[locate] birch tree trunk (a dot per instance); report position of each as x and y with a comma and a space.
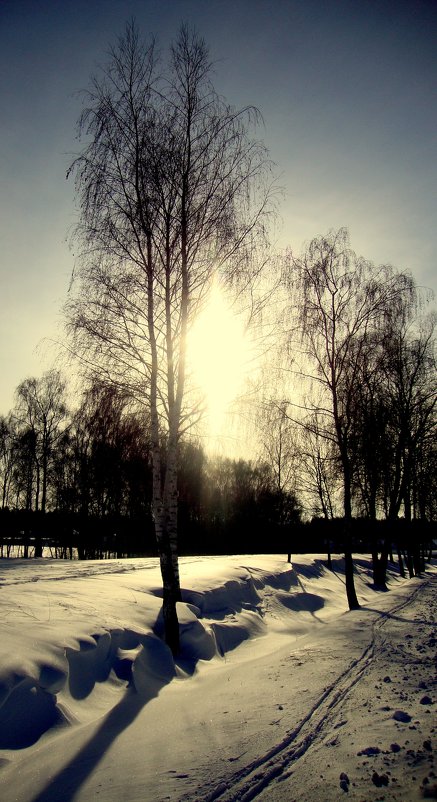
171, 189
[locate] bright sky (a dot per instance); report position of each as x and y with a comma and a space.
347, 90
221, 355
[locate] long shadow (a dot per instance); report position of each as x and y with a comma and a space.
67, 782
315, 570
393, 617
69, 779
304, 601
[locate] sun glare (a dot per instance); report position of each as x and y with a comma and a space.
219, 356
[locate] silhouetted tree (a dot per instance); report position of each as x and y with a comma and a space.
168, 189
278, 443
8, 450
409, 369
40, 411
343, 298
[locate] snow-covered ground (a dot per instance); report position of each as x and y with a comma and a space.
279, 694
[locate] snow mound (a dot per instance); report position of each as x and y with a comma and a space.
59, 667
84, 665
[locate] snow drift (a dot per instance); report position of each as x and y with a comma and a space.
86, 678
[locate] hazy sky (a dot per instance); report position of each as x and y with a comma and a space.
348, 94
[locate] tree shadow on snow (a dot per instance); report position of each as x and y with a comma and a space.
393, 617
302, 602
313, 571
153, 669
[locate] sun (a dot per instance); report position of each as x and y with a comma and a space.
219, 357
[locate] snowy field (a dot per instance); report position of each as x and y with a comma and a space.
279, 694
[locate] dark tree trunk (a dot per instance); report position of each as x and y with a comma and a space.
401, 563
350, 584
348, 562
417, 562
38, 544
380, 571
328, 547
380, 566
171, 595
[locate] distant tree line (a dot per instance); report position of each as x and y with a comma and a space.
81, 483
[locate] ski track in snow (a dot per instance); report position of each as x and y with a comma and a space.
250, 781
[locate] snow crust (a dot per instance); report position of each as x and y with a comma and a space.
279, 692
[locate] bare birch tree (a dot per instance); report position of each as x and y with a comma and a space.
172, 189
41, 408
343, 299
8, 447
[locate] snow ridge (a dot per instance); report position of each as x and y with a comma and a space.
86, 679
39, 688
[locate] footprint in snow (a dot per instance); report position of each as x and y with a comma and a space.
369, 751
379, 779
344, 781
401, 715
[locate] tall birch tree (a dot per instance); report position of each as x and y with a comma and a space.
171, 187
